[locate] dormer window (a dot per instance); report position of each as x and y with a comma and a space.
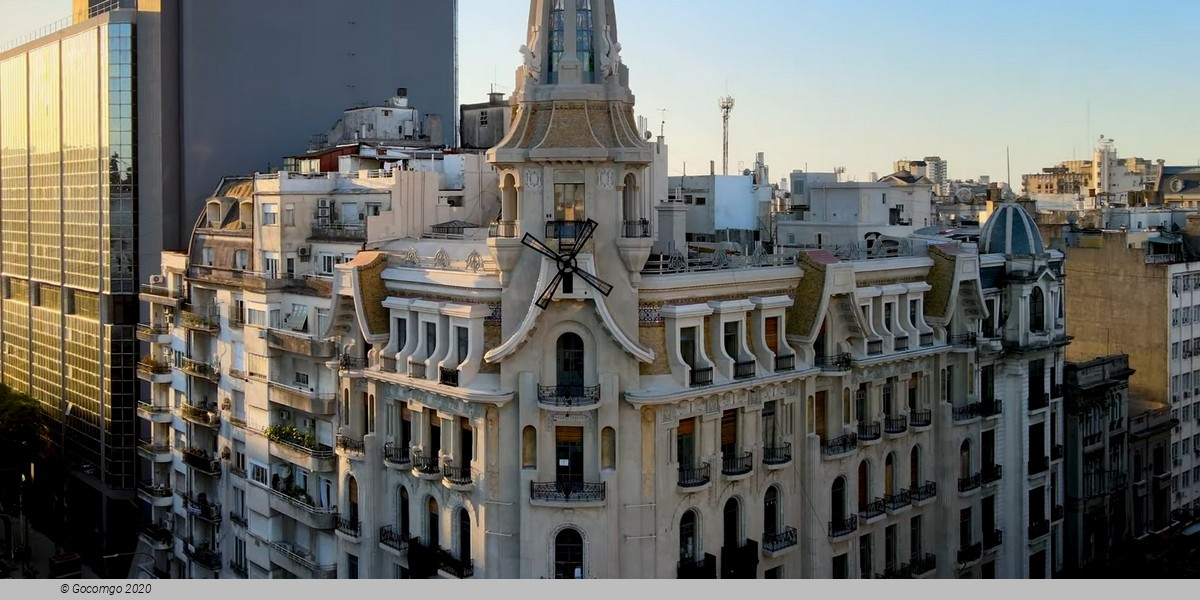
1037, 311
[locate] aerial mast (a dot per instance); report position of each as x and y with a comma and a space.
726, 106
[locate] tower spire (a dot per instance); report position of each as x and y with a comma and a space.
571, 42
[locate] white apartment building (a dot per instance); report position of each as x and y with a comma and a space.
552, 398
823, 212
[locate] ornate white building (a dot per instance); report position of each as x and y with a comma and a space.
552, 399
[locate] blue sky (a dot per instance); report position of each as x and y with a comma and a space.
859, 84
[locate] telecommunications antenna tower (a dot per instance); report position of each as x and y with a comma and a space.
726, 106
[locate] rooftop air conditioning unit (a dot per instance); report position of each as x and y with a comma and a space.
157, 280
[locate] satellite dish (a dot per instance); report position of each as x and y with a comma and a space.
648, 135
964, 195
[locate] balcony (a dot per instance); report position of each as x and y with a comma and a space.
1038, 465
779, 540
967, 340
785, 363
966, 412
874, 347
639, 228
992, 538
461, 568
396, 456
839, 445
777, 455
416, 369
157, 536
895, 425
970, 553
843, 527
158, 453
566, 233
239, 520
869, 431
303, 399
926, 339
155, 333
554, 397
694, 477
897, 501
156, 495
737, 463
567, 492
704, 567
1057, 513
991, 408
350, 446
286, 555
196, 368
1038, 528
920, 564
325, 231
1056, 452
201, 508
349, 526
992, 473
200, 416
448, 377
353, 363
203, 556
870, 510
969, 483
154, 371
743, 369
895, 572
161, 294
201, 320
294, 502
920, 418
901, 344
698, 377
923, 492
300, 343
459, 475
427, 465
391, 537
155, 413
299, 447
199, 460
834, 363
503, 229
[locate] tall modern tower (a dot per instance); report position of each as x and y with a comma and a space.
113, 131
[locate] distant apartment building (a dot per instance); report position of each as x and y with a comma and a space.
726, 208
1138, 292
114, 129
822, 210
1104, 180
932, 168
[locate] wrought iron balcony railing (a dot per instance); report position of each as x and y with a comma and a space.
778, 540
970, 552
567, 491
349, 525
638, 228
992, 473
839, 445
922, 563
970, 482
991, 407
966, 412
924, 491
737, 463
427, 465
777, 455
894, 425
456, 474
920, 418
1038, 528
992, 538
694, 476
391, 536
868, 431
835, 362
872, 509
843, 527
568, 396
785, 363
448, 377
351, 445
700, 376
743, 369
397, 455
898, 500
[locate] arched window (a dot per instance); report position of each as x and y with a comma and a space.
964, 457
632, 211
508, 202
352, 498
687, 536
464, 535
889, 474
434, 525
771, 511
584, 43
569, 365
837, 501
529, 447
568, 554
405, 525
733, 518
608, 448
864, 486
558, 39
914, 467
1037, 310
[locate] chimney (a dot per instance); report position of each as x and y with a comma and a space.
402, 92
496, 98
433, 129
712, 167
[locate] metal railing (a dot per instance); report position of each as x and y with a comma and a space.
1038, 464
153, 329
991, 407
153, 367
567, 491
200, 415
874, 347
199, 460
700, 376
872, 509
503, 229
743, 369
897, 424
898, 500
843, 527
970, 482
923, 491
427, 465
777, 455
970, 552
869, 431
236, 519
901, 344
93, 10
356, 232
390, 537
1038, 528
296, 497
349, 444
785, 363
1038, 401
926, 339
349, 526
161, 291
204, 557
461, 568
920, 564
238, 568
638, 228
966, 340
456, 474
397, 455
416, 370
992, 538
920, 418
992, 473
694, 476
737, 463
839, 445
778, 540
834, 362
568, 396
966, 412
448, 377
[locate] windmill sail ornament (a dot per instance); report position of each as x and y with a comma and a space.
568, 264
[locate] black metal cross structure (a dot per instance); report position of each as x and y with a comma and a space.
568, 264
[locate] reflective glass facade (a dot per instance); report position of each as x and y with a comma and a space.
67, 220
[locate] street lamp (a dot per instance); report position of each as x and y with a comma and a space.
108, 557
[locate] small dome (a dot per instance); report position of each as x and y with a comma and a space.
1011, 231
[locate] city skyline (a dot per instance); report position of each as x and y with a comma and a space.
828, 101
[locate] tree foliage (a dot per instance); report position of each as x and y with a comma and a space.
20, 423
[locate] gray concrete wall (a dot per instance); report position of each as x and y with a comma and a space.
258, 79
